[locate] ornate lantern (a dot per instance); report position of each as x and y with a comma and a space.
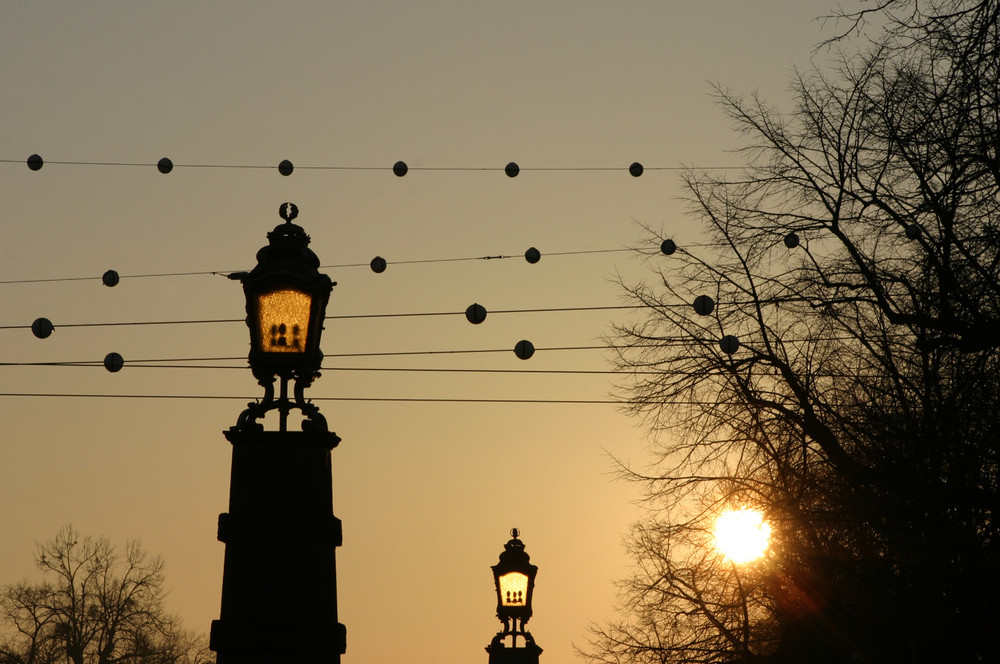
286, 298
514, 578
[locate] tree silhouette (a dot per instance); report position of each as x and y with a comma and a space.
856, 263
93, 606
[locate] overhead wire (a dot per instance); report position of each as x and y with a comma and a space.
85, 395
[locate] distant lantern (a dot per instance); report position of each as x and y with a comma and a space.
35, 162
286, 298
475, 313
42, 328
704, 305
285, 167
110, 278
912, 231
524, 349
791, 240
164, 165
400, 168
729, 344
532, 255
113, 362
514, 577
668, 247
635, 170
514, 580
512, 170
378, 265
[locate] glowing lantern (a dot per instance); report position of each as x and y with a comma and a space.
286, 298
515, 580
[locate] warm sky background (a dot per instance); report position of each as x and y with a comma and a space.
427, 491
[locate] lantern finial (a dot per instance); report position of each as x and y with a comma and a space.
288, 211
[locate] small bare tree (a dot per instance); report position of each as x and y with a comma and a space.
93, 606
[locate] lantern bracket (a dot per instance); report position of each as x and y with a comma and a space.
497, 642
313, 420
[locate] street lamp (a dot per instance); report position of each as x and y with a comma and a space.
514, 579
279, 582
286, 298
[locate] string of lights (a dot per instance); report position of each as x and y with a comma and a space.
175, 361
225, 273
438, 370
418, 314
285, 167
412, 314
243, 367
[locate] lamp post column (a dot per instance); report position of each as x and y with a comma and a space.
279, 586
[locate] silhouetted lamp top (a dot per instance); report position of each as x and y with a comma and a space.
515, 580
286, 298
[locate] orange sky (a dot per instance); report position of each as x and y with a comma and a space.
427, 491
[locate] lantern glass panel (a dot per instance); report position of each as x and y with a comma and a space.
283, 316
513, 589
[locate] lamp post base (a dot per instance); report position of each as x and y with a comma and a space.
279, 582
500, 653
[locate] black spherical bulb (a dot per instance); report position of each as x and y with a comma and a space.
42, 328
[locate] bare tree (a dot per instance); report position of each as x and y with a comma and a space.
845, 381
93, 606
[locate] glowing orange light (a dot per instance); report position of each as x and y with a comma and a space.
513, 589
742, 535
284, 321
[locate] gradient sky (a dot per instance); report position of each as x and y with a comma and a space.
427, 491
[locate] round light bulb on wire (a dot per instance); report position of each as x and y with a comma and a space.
475, 313
704, 305
113, 362
524, 349
42, 328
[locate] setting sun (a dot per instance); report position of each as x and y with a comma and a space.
742, 535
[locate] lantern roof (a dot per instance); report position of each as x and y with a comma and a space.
514, 556
288, 245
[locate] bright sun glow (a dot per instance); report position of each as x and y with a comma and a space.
742, 535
